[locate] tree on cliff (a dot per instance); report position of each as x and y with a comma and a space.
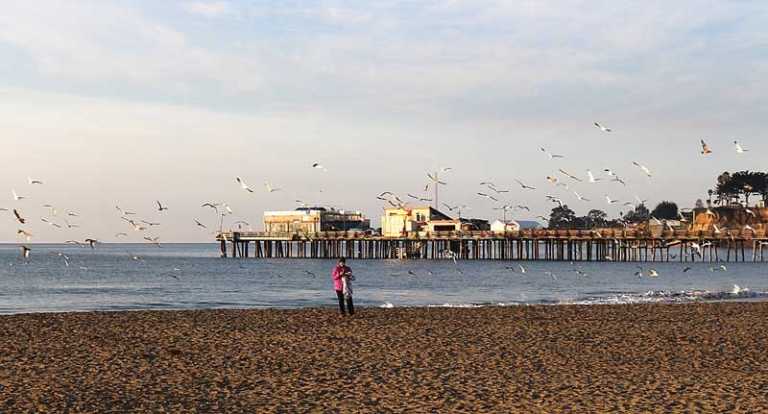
730, 187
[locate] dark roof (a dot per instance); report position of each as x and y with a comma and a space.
436, 214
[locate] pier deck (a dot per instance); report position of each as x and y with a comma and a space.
547, 245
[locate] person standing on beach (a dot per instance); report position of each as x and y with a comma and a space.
342, 284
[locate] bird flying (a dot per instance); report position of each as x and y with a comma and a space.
550, 155
643, 168
601, 127
18, 216
243, 185
705, 150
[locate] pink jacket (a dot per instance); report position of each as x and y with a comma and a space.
338, 272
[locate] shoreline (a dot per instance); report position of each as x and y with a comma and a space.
538, 358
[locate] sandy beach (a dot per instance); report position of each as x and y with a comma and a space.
618, 358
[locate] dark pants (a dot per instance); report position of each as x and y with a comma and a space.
350, 305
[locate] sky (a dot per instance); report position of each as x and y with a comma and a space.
121, 103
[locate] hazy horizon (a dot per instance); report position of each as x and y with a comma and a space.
124, 103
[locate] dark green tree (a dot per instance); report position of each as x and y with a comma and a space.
562, 218
666, 210
731, 187
638, 215
596, 218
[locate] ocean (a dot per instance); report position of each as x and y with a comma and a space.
65, 278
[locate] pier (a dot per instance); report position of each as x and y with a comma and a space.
534, 245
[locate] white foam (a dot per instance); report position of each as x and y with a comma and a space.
387, 305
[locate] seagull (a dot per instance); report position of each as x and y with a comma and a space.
739, 148
72, 214
199, 224
269, 187
18, 216
696, 248
524, 187
523, 207
240, 224
27, 235
644, 168
17, 197
32, 181
555, 200
705, 150
601, 127
25, 252
687, 269
214, 206
496, 190
153, 240
609, 200
552, 275
552, 180
591, 177
121, 235
550, 155
160, 206
50, 223
243, 185
124, 212
523, 269
653, 273
571, 176
488, 196
435, 179
149, 223
579, 197
310, 273
319, 166
91, 242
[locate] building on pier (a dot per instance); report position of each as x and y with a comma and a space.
404, 221
310, 220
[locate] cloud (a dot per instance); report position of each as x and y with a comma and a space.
209, 8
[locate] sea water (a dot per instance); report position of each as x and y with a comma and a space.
63, 278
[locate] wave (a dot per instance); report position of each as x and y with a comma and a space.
662, 296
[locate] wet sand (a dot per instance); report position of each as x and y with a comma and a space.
618, 358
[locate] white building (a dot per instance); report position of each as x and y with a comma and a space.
502, 227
